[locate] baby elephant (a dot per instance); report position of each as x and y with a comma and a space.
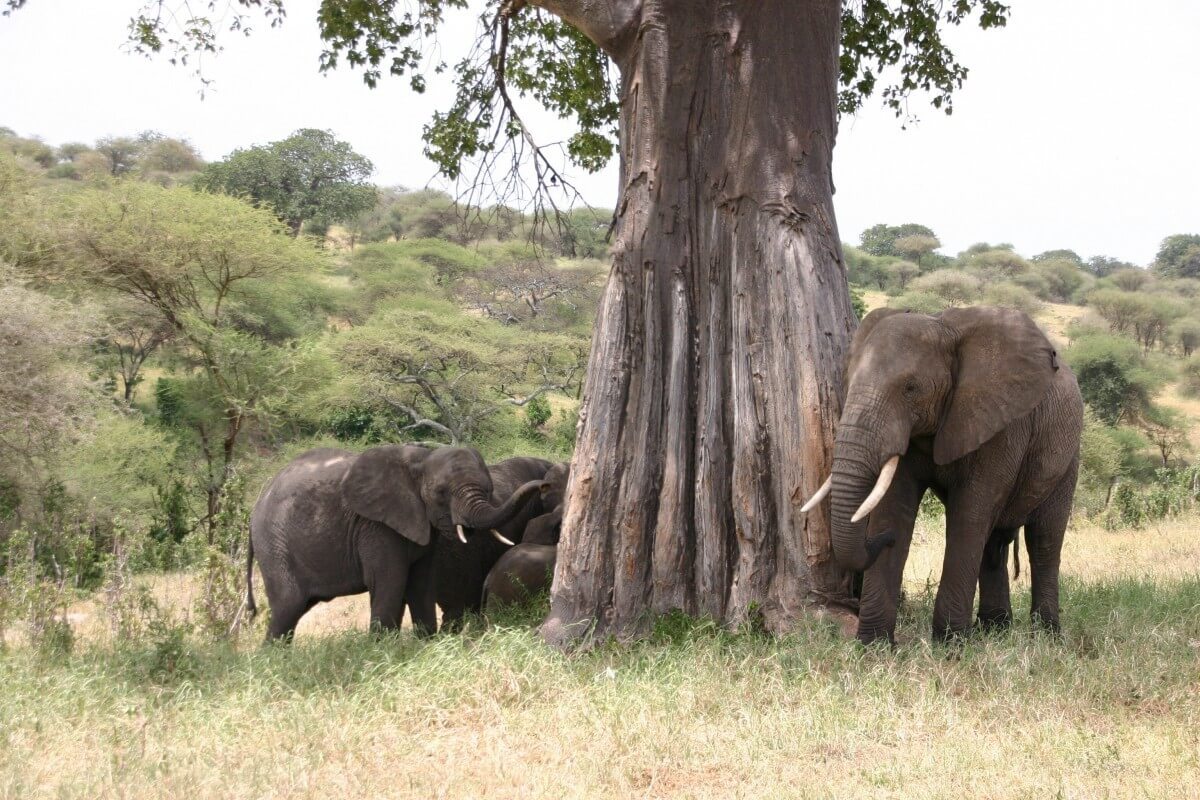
521, 573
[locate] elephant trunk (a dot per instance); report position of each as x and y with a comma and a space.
477, 510
860, 456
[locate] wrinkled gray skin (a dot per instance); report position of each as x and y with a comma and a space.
460, 569
520, 573
528, 568
547, 528
334, 523
982, 413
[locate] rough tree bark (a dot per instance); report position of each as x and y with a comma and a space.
713, 386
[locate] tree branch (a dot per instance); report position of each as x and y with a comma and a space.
605, 22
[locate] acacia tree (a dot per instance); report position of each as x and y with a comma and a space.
715, 376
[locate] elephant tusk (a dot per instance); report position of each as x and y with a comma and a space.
821, 494
881, 486
500, 537
462, 537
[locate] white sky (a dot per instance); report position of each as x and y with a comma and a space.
1076, 128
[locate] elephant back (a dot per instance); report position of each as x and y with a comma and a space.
301, 490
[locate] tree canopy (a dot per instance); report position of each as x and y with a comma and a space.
309, 176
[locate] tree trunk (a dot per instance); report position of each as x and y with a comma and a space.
714, 382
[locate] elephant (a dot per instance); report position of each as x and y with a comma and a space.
520, 573
528, 568
972, 404
546, 529
335, 523
461, 567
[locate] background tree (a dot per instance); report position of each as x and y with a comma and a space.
1069, 256
187, 256
1114, 378
880, 240
134, 331
915, 247
1179, 256
120, 153
44, 402
1102, 266
309, 176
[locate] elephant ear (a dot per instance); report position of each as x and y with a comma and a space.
383, 485
1004, 366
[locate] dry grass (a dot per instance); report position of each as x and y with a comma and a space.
1113, 710
1055, 317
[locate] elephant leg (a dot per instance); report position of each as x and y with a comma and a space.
966, 537
286, 612
995, 602
420, 596
881, 582
1044, 532
384, 557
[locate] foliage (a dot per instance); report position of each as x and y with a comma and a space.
1191, 376
1011, 295
1179, 256
920, 302
880, 239
914, 247
995, 264
448, 372
1069, 256
858, 303
537, 413
309, 176
1114, 378
955, 287
44, 402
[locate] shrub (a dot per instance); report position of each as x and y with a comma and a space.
1130, 280
537, 413
1010, 295
955, 287
919, 302
1185, 334
1113, 376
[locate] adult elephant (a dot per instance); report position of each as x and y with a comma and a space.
461, 567
335, 523
972, 404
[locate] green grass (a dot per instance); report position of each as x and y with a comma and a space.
1112, 709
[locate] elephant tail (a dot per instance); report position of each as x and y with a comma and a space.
1016, 557
251, 606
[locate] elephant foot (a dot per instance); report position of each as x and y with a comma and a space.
994, 619
869, 635
1046, 622
950, 635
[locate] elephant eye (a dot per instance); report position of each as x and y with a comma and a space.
910, 387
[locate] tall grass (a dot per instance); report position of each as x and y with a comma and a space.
1110, 710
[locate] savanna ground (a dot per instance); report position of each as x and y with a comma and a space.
1111, 710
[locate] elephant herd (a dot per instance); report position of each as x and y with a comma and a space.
971, 404
413, 526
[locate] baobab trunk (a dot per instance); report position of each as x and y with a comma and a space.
714, 381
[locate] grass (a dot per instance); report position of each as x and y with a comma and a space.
1111, 710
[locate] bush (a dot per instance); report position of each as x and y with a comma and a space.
857, 303
537, 414
1114, 378
953, 286
1063, 278
1185, 334
919, 302
1010, 295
